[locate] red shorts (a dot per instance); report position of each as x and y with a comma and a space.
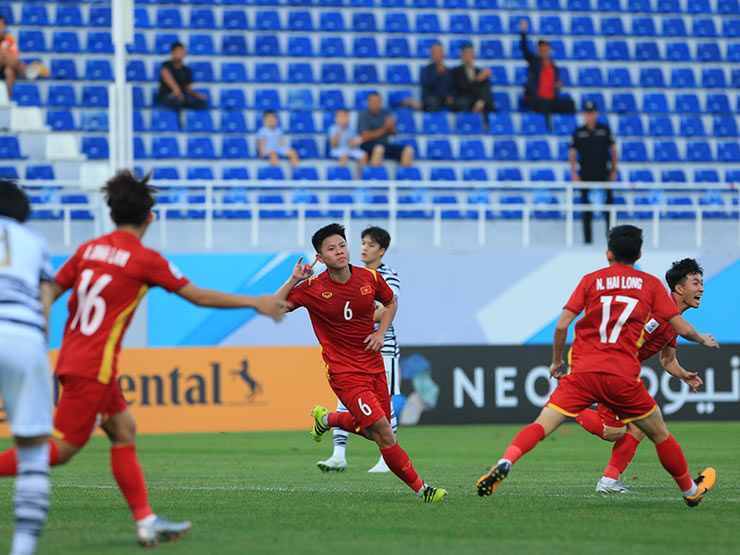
365, 396
84, 404
627, 397
608, 418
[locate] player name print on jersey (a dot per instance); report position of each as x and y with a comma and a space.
108, 254
618, 282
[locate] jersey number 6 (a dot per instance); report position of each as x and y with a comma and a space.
347, 312
366, 410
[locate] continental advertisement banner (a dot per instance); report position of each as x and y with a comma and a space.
220, 389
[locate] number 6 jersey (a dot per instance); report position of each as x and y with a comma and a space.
618, 302
108, 276
342, 317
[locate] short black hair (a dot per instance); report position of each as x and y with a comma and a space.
130, 199
543, 41
327, 231
680, 270
176, 44
13, 201
269, 113
373, 93
625, 242
379, 235
2, 18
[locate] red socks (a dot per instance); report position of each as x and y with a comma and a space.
525, 440
344, 421
127, 472
672, 458
9, 459
590, 421
398, 461
622, 453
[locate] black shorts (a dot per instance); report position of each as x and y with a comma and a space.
392, 152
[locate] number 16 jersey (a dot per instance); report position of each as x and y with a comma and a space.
108, 276
342, 317
618, 301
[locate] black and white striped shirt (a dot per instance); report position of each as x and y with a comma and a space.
390, 344
24, 263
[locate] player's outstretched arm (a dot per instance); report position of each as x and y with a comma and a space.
671, 365
687, 331
269, 305
558, 342
374, 341
300, 272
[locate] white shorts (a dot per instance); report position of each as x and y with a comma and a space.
354, 153
25, 381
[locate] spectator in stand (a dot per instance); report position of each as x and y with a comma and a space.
271, 141
594, 148
376, 125
542, 89
176, 83
472, 88
344, 143
436, 82
11, 65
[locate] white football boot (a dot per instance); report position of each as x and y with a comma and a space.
159, 529
381, 466
332, 464
616, 487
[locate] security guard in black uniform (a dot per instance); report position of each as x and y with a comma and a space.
594, 148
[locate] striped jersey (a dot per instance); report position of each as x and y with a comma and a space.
24, 264
390, 343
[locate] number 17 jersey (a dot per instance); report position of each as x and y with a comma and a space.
108, 276
618, 301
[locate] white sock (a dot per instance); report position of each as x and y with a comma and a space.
32, 497
610, 481
421, 491
340, 451
693, 491
147, 520
507, 461
325, 420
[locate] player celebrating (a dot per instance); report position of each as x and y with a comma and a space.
109, 277
341, 304
685, 281
604, 367
25, 385
375, 242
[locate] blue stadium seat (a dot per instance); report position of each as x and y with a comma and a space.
300, 20
724, 126
728, 151
646, 51
268, 20
683, 78
473, 174
198, 173
201, 45
305, 174
338, 173
713, 78
732, 176
669, 6
300, 72
199, 121
584, 50
717, 103
396, 22
60, 120
579, 5
202, 72
634, 151
492, 49
164, 120
233, 72
397, 47
665, 151
536, 150
502, 101
551, 25
424, 46
692, 126
428, 23
236, 20
200, 148
490, 24
582, 25
135, 70
408, 174
138, 118
643, 27
44, 172
365, 74
364, 22
61, 95
455, 47
674, 27
63, 68
300, 46
34, 15
733, 52
94, 96
660, 126
332, 99
163, 42
234, 148
677, 52
498, 76
703, 27
439, 149
548, 6
619, 77
708, 52
563, 124
442, 174
405, 123
202, 18
139, 46
301, 122
505, 150
612, 27
687, 103
99, 42
267, 99
698, 151
139, 148
468, 123
332, 47
331, 21
169, 18
141, 18
300, 99
71, 16
10, 148
236, 45
398, 74
96, 121
731, 28
624, 103
631, 126
266, 72
641, 176
375, 173
306, 148
65, 41
435, 123
728, 7
95, 148
706, 176
232, 121
534, 124
460, 24
472, 149
590, 77
32, 41
617, 50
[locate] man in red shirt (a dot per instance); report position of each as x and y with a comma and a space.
109, 276
604, 366
341, 304
686, 283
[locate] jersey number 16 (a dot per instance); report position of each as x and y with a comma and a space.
90, 305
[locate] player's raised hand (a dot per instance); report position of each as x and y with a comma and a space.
708, 340
272, 306
374, 341
304, 271
555, 371
692, 379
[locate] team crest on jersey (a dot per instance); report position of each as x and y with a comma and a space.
652, 325
327, 294
366, 290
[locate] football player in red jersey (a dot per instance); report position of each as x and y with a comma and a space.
109, 276
604, 366
341, 304
686, 283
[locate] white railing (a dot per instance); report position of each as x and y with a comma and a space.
213, 192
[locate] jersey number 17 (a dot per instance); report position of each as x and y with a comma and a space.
606, 307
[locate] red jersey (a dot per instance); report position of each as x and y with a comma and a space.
342, 317
658, 334
547, 82
618, 302
109, 276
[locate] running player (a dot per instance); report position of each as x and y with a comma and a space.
685, 281
109, 276
604, 367
341, 304
375, 242
25, 381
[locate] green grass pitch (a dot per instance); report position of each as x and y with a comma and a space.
262, 493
